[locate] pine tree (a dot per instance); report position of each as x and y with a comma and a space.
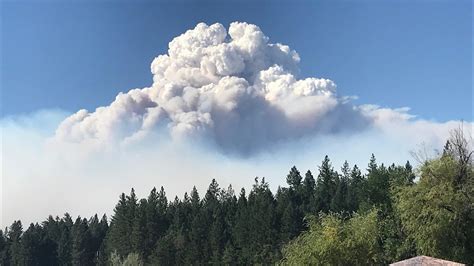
326, 185
16, 249
378, 184
81, 244
38, 248
4, 255
293, 179
340, 202
153, 218
64, 247
308, 193
97, 231
263, 236
138, 233
357, 195
30, 245
212, 194
121, 225
215, 222
165, 251
240, 232
291, 222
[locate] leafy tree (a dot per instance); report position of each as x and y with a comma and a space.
438, 211
331, 240
133, 259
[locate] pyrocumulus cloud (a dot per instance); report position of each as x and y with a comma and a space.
234, 88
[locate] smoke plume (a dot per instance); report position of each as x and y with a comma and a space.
234, 88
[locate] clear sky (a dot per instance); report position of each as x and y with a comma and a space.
392, 53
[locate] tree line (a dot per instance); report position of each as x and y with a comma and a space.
334, 217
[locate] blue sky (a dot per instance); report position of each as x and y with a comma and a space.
243, 113
391, 53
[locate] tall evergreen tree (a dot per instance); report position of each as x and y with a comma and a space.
16, 249
309, 193
357, 190
241, 230
119, 236
378, 184
293, 179
64, 247
4, 254
326, 185
81, 243
97, 231
262, 220
340, 201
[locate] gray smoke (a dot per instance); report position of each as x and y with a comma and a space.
233, 88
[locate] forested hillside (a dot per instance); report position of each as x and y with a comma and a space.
350, 216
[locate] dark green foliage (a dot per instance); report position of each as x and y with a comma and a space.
4, 254
18, 256
293, 179
374, 218
81, 253
38, 248
55, 242
308, 195
437, 212
119, 237
65, 246
357, 192
326, 185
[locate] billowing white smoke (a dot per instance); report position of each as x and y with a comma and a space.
235, 90
234, 87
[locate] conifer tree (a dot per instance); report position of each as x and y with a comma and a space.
81, 243
4, 255
64, 247
30, 245
378, 184
262, 220
340, 201
16, 249
293, 179
326, 185
118, 238
357, 192
308, 193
